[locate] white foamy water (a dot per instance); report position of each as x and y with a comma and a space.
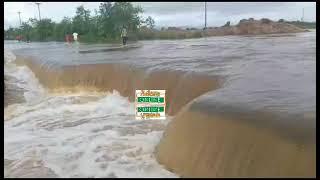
76, 135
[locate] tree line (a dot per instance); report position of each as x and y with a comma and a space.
103, 25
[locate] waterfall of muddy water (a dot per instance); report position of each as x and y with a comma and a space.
237, 106
78, 134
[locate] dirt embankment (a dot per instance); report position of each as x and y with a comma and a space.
254, 27
244, 27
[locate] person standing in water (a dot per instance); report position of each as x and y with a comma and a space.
75, 36
124, 36
76, 42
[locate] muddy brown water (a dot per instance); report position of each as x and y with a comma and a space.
257, 82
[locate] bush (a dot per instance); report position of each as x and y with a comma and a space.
265, 21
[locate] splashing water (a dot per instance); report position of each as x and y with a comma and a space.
76, 135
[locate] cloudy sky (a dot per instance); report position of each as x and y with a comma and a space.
172, 13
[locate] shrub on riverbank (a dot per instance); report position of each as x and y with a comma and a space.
305, 25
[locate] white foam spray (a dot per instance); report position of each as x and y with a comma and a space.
76, 135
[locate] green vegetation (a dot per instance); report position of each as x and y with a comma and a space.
305, 25
301, 24
104, 26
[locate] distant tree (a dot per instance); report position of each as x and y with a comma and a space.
227, 24
81, 20
10, 33
26, 29
125, 14
34, 35
105, 24
265, 21
149, 22
112, 17
63, 28
45, 29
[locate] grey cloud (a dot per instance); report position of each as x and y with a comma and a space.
183, 14
173, 13
221, 7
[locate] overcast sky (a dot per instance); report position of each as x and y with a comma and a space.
172, 13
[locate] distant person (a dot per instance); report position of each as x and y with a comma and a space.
75, 36
69, 38
124, 36
28, 38
66, 38
19, 38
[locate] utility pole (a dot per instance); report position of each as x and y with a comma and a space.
39, 10
19, 27
302, 15
205, 15
19, 17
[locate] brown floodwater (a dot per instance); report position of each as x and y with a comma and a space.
265, 81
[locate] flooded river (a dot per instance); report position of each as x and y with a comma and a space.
91, 131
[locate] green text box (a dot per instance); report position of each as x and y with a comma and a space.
151, 99
150, 109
